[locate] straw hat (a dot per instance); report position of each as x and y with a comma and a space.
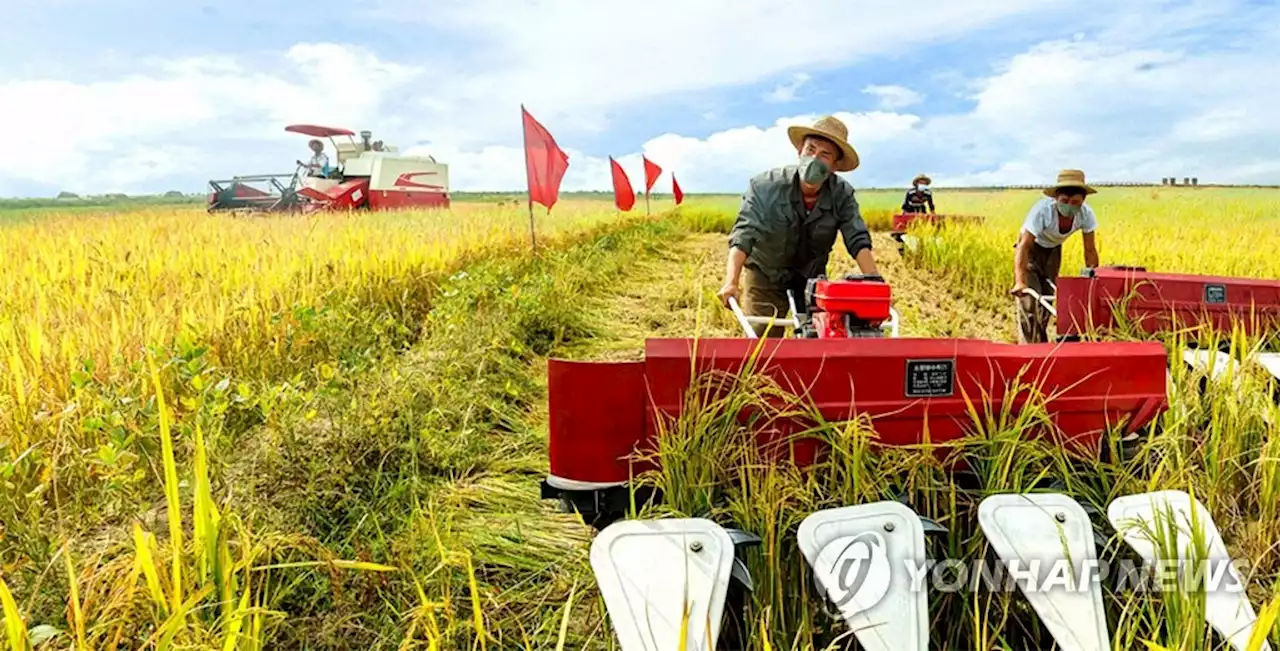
922, 177
834, 130
1069, 179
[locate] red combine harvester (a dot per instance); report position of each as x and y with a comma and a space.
902, 223
368, 176
1152, 303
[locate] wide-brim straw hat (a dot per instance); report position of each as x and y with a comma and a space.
830, 128
921, 177
1069, 179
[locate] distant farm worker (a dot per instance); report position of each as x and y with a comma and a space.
319, 163
1039, 250
788, 222
919, 196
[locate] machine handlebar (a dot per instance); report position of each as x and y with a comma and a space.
1044, 301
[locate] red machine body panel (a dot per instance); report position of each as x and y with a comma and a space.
391, 199
243, 191
602, 411
1161, 302
343, 196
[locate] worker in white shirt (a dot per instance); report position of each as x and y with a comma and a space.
319, 164
1039, 250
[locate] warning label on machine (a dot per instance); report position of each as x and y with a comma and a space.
930, 377
1215, 293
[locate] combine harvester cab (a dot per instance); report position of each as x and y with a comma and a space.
1152, 303
661, 577
367, 176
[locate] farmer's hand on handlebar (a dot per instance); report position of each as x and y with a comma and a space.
730, 290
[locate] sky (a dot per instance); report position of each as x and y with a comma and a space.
142, 96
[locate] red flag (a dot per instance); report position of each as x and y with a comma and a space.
623, 196
651, 173
675, 189
544, 161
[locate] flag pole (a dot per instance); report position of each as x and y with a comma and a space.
524, 130
645, 164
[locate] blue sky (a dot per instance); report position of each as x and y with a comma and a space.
147, 96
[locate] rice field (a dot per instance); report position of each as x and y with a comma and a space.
321, 433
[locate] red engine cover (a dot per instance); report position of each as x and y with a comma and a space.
865, 300
600, 412
1159, 302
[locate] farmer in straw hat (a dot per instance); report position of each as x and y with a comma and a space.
1039, 250
788, 222
919, 196
319, 163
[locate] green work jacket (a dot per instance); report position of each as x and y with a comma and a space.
786, 243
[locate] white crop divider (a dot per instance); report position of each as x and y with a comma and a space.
1270, 362
649, 570
1143, 519
1217, 365
867, 558
1214, 363
1029, 532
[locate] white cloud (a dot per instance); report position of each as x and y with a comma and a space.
784, 93
119, 135
1163, 87
569, 61
723, 161
894, 97
1122, 112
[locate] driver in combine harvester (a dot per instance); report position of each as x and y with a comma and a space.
319, 164
919, 196
1039, 250
788, 222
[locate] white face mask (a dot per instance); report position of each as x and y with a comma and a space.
1068, 210
923, 188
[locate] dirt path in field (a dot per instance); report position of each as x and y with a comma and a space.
931, 307
672, 294
669, 294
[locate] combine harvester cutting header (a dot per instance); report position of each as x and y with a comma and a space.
368, 176
658, 575
902, 223
1108, 298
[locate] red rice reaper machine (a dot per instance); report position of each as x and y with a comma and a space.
368, 176
1152, 303
902, 223
656, 576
